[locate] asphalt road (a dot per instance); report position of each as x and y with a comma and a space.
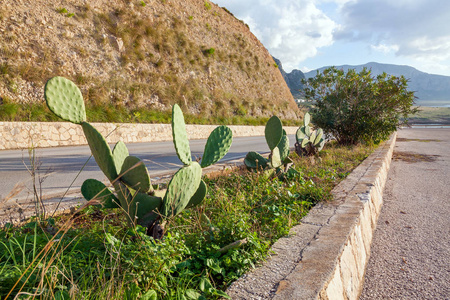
64, 163
410, 254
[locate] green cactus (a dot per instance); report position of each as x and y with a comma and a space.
309, 142
283, 146
65, 100
217, 145
100, 150
180, 138
278, 143
181, 188
133, 188
94, 189
254, 160
120, 152
199, 195
135, 175
273, 132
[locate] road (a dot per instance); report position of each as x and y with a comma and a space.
410, 254
64, 163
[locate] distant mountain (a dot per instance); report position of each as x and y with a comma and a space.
428, 87
293, 79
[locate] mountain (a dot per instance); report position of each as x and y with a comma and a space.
293, 79
428, 87
130, 53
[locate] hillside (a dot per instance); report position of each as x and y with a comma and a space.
293, 79
152, 54
428, 87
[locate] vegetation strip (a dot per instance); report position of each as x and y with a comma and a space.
124, 261
325, 256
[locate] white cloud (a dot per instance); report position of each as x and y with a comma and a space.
385, 49
292, 31
414, 29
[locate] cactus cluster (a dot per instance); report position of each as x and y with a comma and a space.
309, 142
133, 191
278, 143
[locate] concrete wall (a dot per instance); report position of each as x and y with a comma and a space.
20, 135
326, 255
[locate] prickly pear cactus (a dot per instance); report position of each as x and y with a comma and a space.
120, 153
180, 138
65, 100
100, 150
217, 145
135, 175
199, 195
254, 160
94, 189
309, 142
181, 188
273, 132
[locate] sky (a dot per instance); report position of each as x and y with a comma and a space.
309, 34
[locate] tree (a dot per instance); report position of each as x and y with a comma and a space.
356, 107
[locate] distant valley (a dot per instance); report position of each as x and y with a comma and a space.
431, 89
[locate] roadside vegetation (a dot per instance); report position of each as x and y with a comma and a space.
196, 251
93, 254
357, 107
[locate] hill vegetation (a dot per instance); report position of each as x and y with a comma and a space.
136, 56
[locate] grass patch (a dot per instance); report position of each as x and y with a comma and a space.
431, 115
39, 112
94, 255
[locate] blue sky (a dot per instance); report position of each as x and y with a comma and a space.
309, 34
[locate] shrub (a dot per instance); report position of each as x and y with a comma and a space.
357, 107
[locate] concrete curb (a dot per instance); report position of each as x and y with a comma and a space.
326, 255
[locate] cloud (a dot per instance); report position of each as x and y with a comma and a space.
416, 29
292, 31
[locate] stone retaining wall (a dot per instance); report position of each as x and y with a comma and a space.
20, 135
326, 255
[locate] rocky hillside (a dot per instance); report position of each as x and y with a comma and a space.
293, 80
131, 53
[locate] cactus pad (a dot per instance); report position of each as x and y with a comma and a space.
319, 136
65, 100
300, 134
92, 188
217, 145
305, 142
254, 159
143, 205
275, 159
180, 138
306, 119
134, 174
181, 188
120, 152
100, 150
273, 132
199, 195
284, 147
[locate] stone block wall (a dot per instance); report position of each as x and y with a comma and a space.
22, 135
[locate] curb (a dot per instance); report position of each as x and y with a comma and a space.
326, 255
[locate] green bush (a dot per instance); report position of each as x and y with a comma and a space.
357, 107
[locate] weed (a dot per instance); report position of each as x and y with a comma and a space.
208, 52
62, 10
142, 3
207, 5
